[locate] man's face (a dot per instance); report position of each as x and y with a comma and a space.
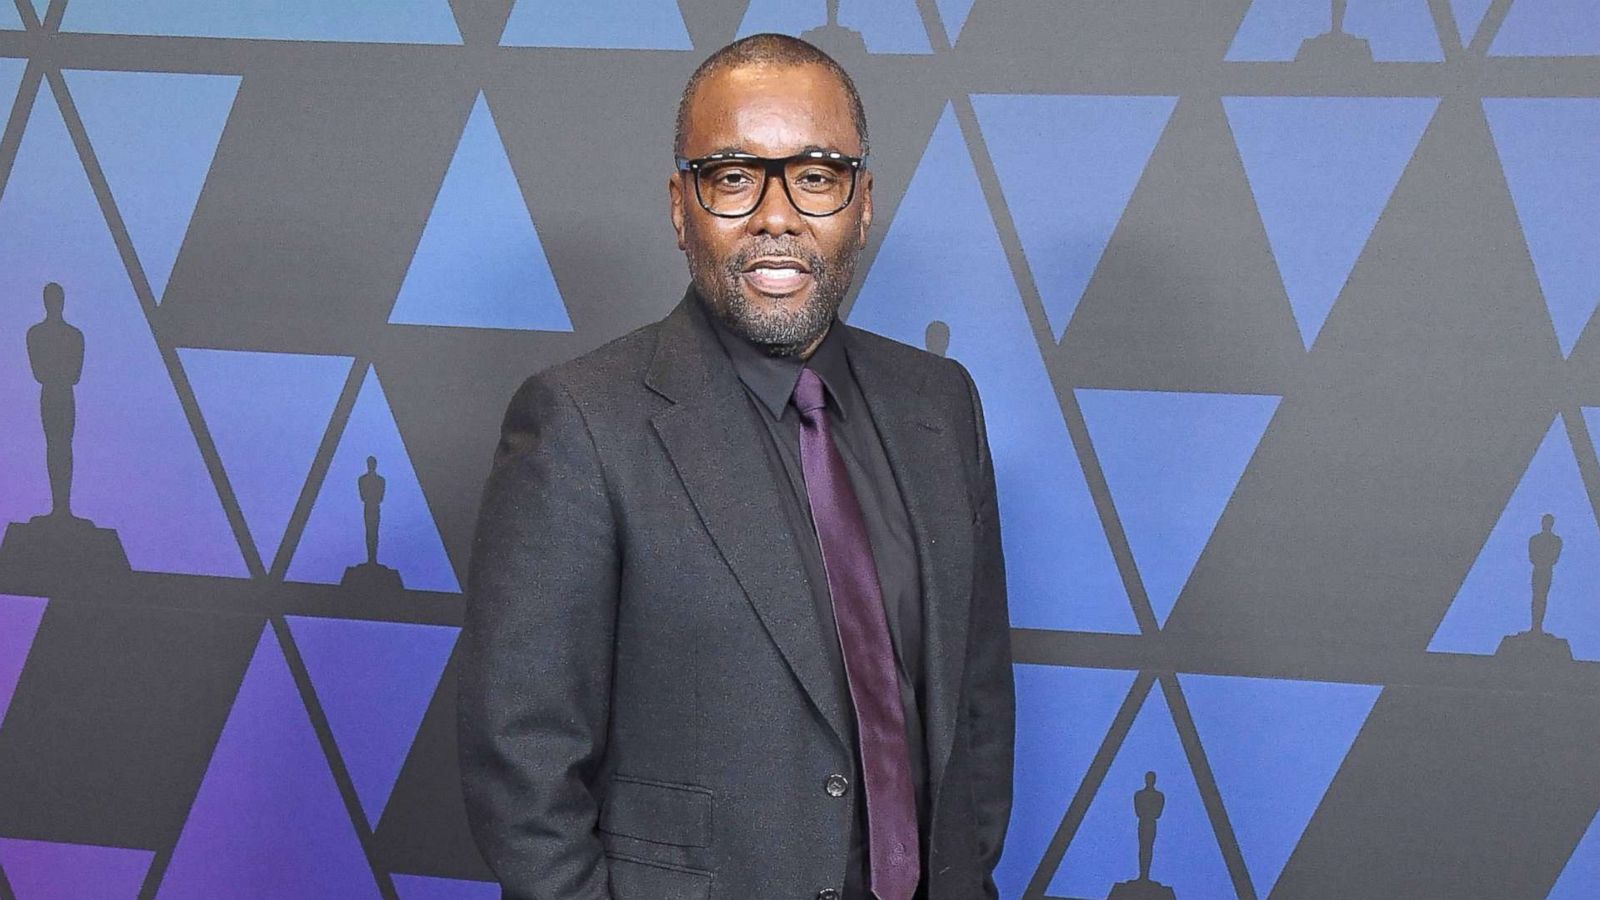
776, 276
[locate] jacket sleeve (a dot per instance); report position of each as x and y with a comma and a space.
990, 700
535, 678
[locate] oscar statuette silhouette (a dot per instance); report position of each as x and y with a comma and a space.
372, 576
1148, 804
59, 542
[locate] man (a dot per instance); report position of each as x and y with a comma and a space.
736, 621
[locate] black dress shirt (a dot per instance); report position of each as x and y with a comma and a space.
769, 384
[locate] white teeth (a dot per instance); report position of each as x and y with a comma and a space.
778, 273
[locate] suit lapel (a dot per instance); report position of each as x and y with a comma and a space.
714, 444
931, 476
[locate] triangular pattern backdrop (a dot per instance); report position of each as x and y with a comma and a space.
1280, 312
942, 261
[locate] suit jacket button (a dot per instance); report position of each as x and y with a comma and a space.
836, 785
827, 894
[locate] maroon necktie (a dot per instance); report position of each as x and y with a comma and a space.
868, 655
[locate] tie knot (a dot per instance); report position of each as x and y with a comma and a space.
809, 394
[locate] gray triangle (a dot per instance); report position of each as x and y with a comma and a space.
1391, 459
1187, 296
1146, 42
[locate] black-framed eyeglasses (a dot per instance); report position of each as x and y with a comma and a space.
731, 185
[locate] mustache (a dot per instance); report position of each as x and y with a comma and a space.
776, 247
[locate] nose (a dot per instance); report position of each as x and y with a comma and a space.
775, 215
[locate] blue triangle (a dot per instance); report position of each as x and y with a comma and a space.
267, 413
1322, 170
1064, 231
41, 7
372, 21
954, 14
129, 420
19, 622
155, 135
1549, 28
9, 19
1105, 849
1550, 150
268, 813
598, 25
1274, 747
1063, 714
1395, 30
423, 887
10, 78
1495, 600
1171, 461
335, 534
886, 26
374, 680
45, 870
1469, 15
1059, 568
479, 263
1582, 871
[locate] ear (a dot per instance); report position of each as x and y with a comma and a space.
675, 193
865, 187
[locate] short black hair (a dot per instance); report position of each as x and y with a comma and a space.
771, 50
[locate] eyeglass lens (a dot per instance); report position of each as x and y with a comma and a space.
818, 187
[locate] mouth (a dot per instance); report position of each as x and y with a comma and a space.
777, 276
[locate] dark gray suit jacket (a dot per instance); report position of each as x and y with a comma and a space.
646, 708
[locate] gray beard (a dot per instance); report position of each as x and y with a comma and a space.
777, 332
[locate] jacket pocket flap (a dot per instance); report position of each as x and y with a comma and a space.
658, 811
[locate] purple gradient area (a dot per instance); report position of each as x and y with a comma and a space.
137, 468
335, 535
374, 681
424, 887
267, 413
1105, 849
942, 260
1063, 714
19, 622
42, 870
268, 821
155, 135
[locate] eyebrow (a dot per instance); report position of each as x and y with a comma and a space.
731, 148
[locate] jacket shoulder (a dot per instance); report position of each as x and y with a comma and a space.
917, 365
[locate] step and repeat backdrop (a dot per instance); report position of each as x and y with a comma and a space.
1282, 312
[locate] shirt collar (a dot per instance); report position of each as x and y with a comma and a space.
773, 378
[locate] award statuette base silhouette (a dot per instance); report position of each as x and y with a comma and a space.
1336, 48
1534, 648
1141, 889
61, 542
373, 578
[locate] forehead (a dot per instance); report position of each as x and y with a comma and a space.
771, 110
